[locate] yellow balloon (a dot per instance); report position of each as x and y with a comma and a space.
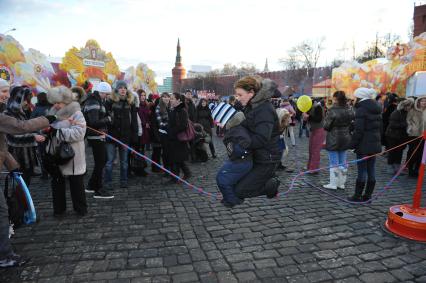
304, 103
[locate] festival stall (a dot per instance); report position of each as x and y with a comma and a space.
388, 74
89, 63
322, 89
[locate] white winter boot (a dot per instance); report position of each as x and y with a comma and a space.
333, 179
341, 179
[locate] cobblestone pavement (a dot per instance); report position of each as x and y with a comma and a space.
153, 232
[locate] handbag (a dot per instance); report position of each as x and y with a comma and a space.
64, 152
188, 134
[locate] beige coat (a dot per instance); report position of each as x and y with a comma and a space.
10, 125
72, 133
416, 120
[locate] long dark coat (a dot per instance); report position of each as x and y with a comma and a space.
204, 117
178, 122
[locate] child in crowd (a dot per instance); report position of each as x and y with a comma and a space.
240, 162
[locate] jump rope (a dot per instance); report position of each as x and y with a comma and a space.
218, 196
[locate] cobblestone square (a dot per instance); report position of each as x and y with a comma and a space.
153, 232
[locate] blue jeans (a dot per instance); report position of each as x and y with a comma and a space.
366, 168
303, 128
124, 156
337, 157
229, 175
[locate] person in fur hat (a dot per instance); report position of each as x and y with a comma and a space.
366, 140
237, 141
22, 147
71, 128
12, 126
416, 120
124, 127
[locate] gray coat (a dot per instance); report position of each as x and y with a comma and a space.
337, 124
73, 134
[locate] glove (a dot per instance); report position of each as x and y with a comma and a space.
14, 171
51, 118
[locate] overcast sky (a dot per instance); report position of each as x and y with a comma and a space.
212, 32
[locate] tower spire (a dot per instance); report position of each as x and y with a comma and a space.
178, 57
266, 69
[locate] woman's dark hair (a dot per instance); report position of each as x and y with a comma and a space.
179, 97
140, 91
200, 103
340, 97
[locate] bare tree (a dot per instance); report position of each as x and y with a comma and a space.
310, 51
389, 40
291, 61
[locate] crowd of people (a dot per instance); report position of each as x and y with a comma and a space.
178, 128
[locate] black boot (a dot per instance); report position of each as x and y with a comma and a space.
271, 187
186, 173
369, 190
359, 188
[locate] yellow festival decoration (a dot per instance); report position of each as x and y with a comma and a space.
304, 103
388, 74
90, 63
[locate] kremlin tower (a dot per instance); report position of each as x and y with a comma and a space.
178, 72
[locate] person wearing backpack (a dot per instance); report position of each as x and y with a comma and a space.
11, 125
97, 118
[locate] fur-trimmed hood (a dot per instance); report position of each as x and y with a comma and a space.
417, 103
65, 112
265, 93
116, 97
405, 103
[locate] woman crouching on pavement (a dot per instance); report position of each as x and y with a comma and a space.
70, 128
254, 94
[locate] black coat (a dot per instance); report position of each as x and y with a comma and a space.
95, 114
191, 109
204, 117
337, 124
366, 138
397, 127
262, 124
124, 125
178, 122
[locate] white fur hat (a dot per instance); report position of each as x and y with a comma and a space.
4, 83
363, 92
103, 87
60, 94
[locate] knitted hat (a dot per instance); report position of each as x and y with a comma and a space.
103, 87
120, 84
223, 112
237, 119
4, 83
365, 93
60, 94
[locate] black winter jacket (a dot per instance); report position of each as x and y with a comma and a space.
262, 124
96, 115
397, 127
191, 109
204, 117
178, 122
366, 138
124, 125
337, 124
